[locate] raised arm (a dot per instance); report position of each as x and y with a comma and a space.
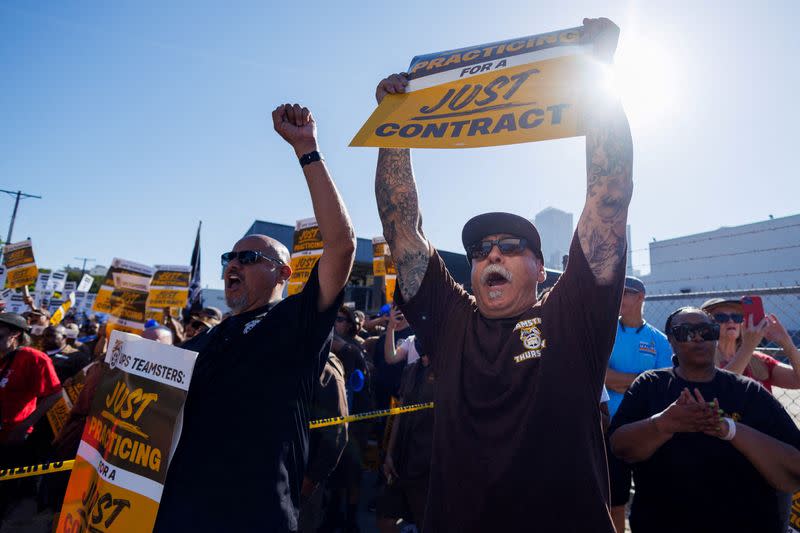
398, 206
609, 163
297, 126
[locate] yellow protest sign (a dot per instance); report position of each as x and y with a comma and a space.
379, 251
306, 250
133, 425
390, 279
513, 91
61, 312
170, 286
128, 304
20, 265
58, 414
102, 301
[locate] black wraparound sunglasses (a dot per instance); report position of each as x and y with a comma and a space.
507, 246
247, 257
685, 332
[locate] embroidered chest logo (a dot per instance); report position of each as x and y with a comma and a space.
250, 325
531, 337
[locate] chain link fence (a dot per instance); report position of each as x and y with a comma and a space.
784, 302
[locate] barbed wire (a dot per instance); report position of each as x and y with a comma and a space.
730, 254
716, 237
715, 276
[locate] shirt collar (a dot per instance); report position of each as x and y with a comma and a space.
638, 330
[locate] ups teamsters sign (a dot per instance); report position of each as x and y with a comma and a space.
508, 92
306, 250
129, 437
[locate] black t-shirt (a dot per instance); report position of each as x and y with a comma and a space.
414, 445
698, 483
69, 362
518, 444
243, 450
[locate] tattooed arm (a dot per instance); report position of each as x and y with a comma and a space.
609, 162
398, 206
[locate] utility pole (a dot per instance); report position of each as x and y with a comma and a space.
83, 269
19, 195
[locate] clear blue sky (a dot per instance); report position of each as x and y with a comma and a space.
134, 120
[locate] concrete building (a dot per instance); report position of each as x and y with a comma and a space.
555, 229
762, 258
761, 254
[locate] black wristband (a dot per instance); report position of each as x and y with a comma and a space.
310, 157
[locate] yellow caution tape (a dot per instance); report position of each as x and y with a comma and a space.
61, 466
35, 470
366, 416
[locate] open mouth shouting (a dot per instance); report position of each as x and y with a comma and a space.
232, 281
496, 278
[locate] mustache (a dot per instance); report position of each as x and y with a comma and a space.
495, 269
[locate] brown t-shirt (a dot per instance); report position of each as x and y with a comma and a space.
518, 444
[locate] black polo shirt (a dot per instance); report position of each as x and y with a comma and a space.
243, 450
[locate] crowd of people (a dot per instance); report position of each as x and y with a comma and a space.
523, 435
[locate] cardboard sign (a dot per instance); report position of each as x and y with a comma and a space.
129, 437
56, 282
58, 415
61, 312
306, 250
85, 284
20, 265
170, 286
379, 251
513, 91
102, 301
390, 280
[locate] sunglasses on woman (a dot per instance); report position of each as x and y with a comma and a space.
686, 332
722, 318
247, 257
507, 246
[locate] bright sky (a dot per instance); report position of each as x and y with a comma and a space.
134, 120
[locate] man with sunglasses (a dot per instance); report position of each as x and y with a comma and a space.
709, 448
243, 451
518, 425
638, 346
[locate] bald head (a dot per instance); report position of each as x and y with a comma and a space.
159, 334
264, 244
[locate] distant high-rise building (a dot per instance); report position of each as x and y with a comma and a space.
555, 228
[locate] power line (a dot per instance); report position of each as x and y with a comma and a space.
20, 195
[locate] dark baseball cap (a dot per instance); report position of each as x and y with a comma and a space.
709, 304
480, 226
15, 321
634, 284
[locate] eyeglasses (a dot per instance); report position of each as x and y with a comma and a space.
685, 332
198, 325
247, 257
507, 246
342, 319
721, 318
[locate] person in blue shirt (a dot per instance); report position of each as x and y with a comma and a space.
637, 348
